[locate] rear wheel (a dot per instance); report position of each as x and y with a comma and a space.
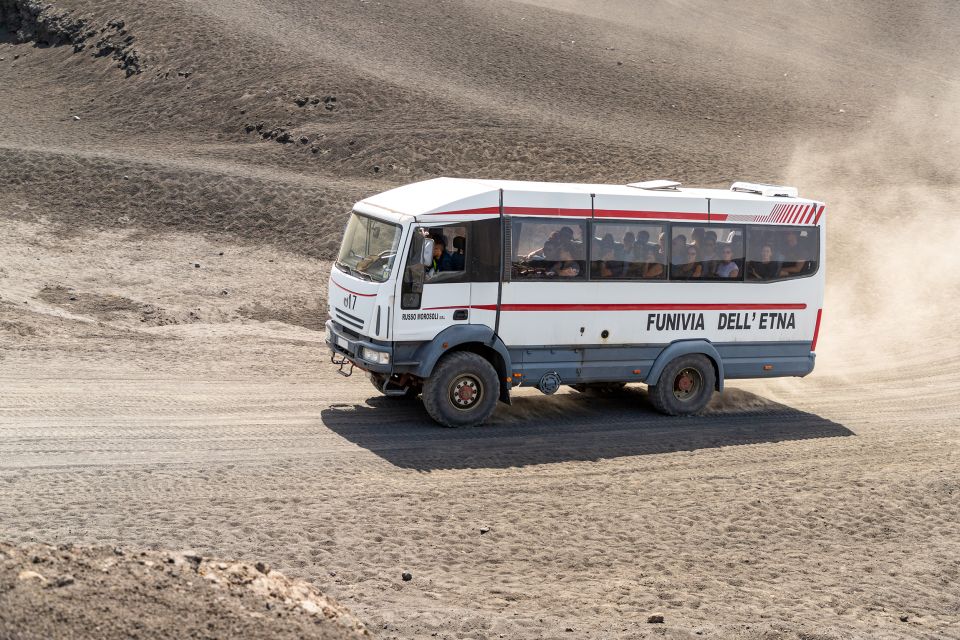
462, 391
685, 386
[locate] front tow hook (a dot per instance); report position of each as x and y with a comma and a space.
341, 363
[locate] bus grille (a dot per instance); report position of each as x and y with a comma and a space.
349, 320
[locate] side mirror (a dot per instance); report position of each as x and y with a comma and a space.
426, 257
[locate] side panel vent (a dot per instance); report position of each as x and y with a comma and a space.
507, 249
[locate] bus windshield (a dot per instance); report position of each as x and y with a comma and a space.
369, 248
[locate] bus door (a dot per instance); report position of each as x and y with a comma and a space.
435, 284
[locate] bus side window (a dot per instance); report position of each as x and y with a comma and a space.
626, 251
779, 253
548, 250
684, 254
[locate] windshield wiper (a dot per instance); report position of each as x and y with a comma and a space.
353, 271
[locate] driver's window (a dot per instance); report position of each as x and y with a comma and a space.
446, 262
449, 253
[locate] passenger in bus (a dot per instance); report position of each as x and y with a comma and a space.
566, 266
793, 261
708, 254
679, 249
541, 254
628, 247
609, 266
766, 268
727, 268
459, 254
643, 243
441, 259
696, 238
576, 246
653, 267
691, 268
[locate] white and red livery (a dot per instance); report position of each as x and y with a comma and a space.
463, 289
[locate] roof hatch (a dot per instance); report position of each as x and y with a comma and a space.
656, 185
765, 189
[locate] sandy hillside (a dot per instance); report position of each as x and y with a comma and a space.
176, 174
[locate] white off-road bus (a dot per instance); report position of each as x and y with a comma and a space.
462, 290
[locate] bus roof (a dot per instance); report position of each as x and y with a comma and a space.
455, 198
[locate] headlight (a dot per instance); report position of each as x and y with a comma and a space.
380, 357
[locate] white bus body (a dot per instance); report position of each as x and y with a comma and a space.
546, 284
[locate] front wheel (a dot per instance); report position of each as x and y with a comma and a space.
685, 386
462, 391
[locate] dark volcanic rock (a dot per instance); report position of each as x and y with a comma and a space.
47, 25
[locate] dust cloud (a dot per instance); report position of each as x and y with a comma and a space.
893, 232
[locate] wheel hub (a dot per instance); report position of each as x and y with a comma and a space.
687, 384
465, 392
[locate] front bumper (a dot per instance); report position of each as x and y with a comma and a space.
351, 347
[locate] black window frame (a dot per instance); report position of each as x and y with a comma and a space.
560, 222
783, 227
593, 223
668, 226
707, 226
463, 275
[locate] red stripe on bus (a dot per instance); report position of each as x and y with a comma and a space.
819, 213
645, 215
586, 213
782, 214
362, 295
547, 211
633, 307
816, 331
809, 217
466, 212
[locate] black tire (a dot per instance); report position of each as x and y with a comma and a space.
462, 391
685, 386
376, 379
599, 388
